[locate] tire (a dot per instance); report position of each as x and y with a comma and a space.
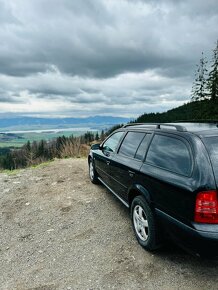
92, 172
144, 224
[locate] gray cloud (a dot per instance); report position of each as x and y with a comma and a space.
109, 52
8, 97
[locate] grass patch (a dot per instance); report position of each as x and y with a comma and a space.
11, 144
43, 164
16, 171
10, 172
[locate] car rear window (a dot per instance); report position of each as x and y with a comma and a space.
212, 146
171, 154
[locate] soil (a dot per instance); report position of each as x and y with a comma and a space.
60, 231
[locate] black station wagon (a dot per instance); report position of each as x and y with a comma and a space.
168, 176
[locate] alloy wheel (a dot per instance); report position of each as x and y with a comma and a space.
140, 223
91, 170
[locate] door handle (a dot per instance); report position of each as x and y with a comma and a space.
131, 173
108, 162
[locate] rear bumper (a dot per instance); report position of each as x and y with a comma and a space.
199, 240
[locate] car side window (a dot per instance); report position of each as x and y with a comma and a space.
212, 147
131, 143
111, 143
170, 153
140, 154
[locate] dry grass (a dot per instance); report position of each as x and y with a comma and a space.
74, 149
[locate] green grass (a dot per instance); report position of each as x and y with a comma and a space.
46, 163
16, 171
10, 172
10, 144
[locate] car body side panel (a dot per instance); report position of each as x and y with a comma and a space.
176, 200
123, 171
101, 161
195, 241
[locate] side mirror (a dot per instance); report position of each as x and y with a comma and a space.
107, 149
96, 146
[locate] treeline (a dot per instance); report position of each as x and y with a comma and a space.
203, 105
194, 111
33, 153
205, 85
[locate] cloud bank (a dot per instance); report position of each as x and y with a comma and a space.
82, 58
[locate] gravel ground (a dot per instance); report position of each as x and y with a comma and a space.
59, 231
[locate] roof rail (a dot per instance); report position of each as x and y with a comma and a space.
158, 126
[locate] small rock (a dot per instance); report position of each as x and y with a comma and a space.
6, 190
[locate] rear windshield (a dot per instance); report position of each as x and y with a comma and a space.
212, 146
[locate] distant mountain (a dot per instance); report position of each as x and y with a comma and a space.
26, 123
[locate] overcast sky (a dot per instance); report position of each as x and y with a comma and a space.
101, 57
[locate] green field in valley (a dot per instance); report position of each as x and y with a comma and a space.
19, 139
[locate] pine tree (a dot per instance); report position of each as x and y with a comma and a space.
27, 146
29, 153
102, 136
41, 152
97, 136
212, 84
199, 88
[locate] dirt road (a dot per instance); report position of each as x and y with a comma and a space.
59, 231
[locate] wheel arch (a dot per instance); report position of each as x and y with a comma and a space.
90, 157
137, 190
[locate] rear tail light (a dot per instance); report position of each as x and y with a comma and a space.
206, 207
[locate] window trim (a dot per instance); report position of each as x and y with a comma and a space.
148, 145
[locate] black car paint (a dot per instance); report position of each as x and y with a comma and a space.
171, 195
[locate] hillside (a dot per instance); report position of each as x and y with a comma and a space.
193, 111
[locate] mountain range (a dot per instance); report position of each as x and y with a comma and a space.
27, 123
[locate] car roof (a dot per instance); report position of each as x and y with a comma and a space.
200, 129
